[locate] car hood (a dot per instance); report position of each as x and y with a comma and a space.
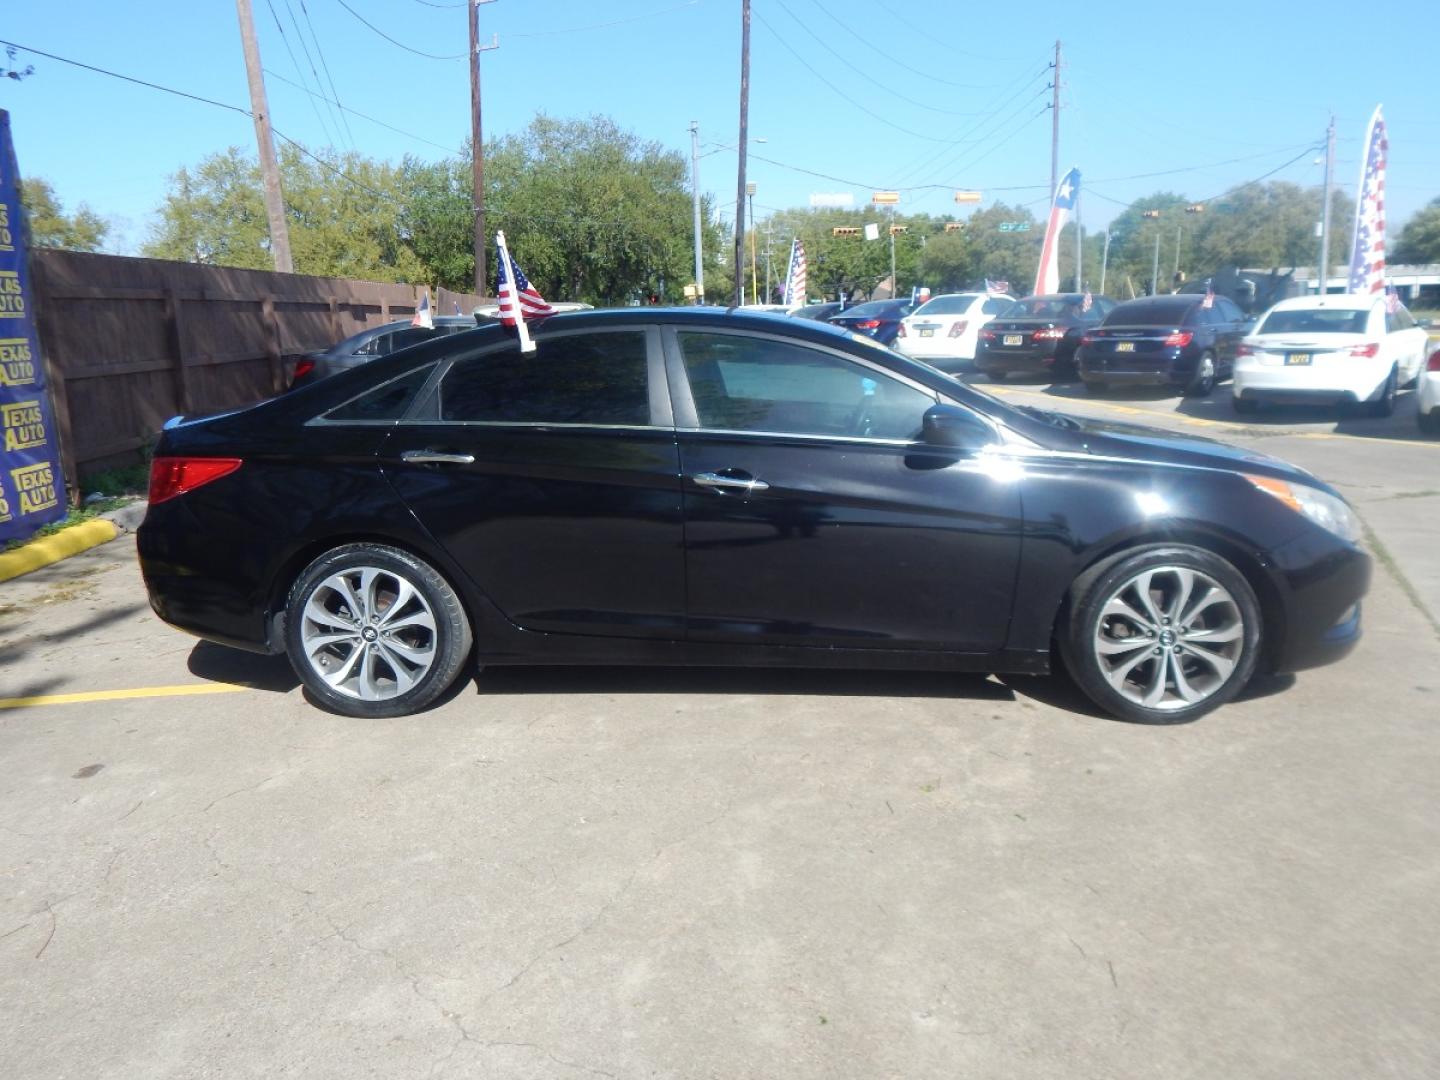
1156, 446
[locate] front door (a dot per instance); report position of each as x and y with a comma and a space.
552, 478
813, 517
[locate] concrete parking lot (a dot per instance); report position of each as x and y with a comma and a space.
656, 873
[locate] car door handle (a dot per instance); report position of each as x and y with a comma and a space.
436, 457
721, 483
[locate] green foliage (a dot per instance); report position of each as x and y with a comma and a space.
50, 226
966, 258
1419, 240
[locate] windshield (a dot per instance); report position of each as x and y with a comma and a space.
1045, 307
947, 305
1148, 313
1315, 321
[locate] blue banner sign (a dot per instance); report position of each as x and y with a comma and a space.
32, 491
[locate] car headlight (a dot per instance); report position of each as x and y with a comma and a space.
1320, 507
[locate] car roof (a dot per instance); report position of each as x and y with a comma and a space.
1170, 300
1341, 301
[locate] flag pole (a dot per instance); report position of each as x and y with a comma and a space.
507, 267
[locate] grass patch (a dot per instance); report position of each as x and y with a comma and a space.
76, 516
126, 480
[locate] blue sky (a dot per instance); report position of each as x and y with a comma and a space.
883, 93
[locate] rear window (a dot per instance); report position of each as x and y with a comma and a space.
946, 305
1045, 307
1170, 313
878, 309
1315, 321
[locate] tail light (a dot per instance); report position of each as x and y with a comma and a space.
171, 476
1245, 350
1180, 338
1369, 349
901, 331
1053, 333
958, 328
867, 324
303, 368
1433, 364
1088, 339
987, 335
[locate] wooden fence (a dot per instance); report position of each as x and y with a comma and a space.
129, 343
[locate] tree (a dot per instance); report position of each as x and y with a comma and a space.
982, 250
1419, 240
50, 226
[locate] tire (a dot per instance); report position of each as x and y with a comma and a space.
360, 666
1095, 386
1429, 423
1385, 404
1245, 406
1205, 375
1215, 644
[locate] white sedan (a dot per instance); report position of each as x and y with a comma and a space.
1329, 349
946, 327
1427, 395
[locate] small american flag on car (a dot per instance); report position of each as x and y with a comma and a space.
1087, 301
997, 288
1392, 301
1209, 300
519, 300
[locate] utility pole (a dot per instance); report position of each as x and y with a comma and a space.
1155, 270
477, 142
769, 244
894, 284
1323, 271
744, 145
695, 196
1079, 246
1178, 229
1055, 126
1104, 261
269, 169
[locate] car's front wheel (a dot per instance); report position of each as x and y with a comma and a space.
373, 631
1384, 405
1429, 422
1162, 635
1204, 379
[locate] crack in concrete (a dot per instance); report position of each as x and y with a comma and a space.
237, 791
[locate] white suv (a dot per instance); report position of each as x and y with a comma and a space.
1333, 349
946, 327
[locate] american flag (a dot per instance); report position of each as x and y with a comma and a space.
423, 315
797, 281
1087, 301
1209, 301
518, 298
1367, 256
1047, 275
997, 288
1392, 301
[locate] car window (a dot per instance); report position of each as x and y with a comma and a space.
743, 383
997, 305
574, 379
1315, 321
1229, 310
372, 347
385, 402
947, 305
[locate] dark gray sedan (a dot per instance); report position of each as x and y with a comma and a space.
376, 342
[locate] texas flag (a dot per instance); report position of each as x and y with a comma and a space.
1047, 277
423, 315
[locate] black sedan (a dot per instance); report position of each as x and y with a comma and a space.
691, 486
819, 312
1039, 335
375, 341
1186, 342
879, 319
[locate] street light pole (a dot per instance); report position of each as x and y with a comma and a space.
1155, 270
695, 196
754, 290
743, 146
1323, 271
1104, 261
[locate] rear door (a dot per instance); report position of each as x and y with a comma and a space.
552, 478
1406, 341
814, 518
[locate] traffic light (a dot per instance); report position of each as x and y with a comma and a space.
954, 226
845, 230
896, 230
1150, 213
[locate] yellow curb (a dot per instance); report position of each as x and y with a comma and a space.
121, 695
61, 545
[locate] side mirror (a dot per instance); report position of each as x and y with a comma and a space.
955, 428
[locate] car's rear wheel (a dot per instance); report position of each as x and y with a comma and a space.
1384, 405
1204, 381
1429, 422
1163, 635
373, 631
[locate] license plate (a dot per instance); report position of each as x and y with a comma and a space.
1296, 358
1014, 339
1124, 346
927, 333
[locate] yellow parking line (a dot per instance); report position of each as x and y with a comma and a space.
121, 695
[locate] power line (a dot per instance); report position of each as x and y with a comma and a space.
335, 94
901, 63
604, 25
967, 147
398, 44
363, 116
300, 34
868, 112
284, 38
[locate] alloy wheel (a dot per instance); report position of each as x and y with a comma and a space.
368, 633
1169, 638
